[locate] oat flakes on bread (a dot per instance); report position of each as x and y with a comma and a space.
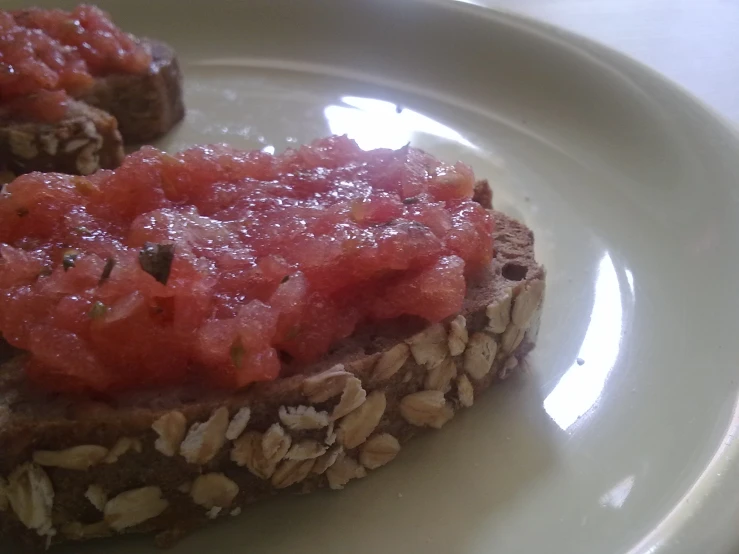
86, 140
73, 468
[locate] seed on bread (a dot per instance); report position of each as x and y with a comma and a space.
351, 398
427, 408
479, 356
133, 507
290, 472
261, 453
512, 338
440, 377
307, 449
465, 391
247, 451
327, 460
97, 496
379, 450
526, 303
330, 438
238, 423
532, 332
75, 144
458, 335
171, 428
325, 385
390, 362
359, 424
49, 143
499, 313
430, 346
90, 131
88, 159
275, 443
363, 365
81, 457
31, 496
214, 490
343, 470
302, 418
121, 447
204, 440
22, 144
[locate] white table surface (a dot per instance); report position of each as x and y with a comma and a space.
693, 42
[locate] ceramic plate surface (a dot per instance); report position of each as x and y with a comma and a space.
619, 438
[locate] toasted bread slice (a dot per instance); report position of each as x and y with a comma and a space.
118, 109
75, 469
86, 140
146, 106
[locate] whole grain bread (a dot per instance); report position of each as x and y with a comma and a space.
165, 463
146, 106
86, 140
119, 109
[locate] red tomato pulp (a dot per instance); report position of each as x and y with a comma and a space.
211, 263
46, 56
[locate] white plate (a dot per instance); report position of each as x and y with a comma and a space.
631, 188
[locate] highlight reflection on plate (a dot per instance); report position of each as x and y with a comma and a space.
578, 390
376, 123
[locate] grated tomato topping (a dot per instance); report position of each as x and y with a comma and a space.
215, 264
48, 56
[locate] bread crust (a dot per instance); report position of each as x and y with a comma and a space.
146, 106
168, 463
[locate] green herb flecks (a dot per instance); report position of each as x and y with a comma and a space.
107, 270
162, 309
69, 258
293, 333
411, 200
285, 279
98, 310
237, 353
156, 260
22, 212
